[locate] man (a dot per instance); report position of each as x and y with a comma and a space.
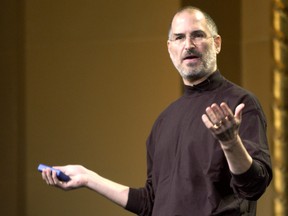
202, 159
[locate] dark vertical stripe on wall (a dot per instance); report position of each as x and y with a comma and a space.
12, 109
22, 162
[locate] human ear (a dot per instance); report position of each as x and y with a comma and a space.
168, 46
217, 42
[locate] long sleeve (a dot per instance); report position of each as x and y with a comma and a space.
141, 200
253, 183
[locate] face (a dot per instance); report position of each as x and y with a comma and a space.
192, 47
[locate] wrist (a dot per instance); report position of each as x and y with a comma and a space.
228, 145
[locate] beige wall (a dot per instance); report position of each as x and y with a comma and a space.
257, 69
83, 82
97, 75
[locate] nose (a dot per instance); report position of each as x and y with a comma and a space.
189, 43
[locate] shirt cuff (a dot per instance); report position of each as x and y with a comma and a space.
251, 173
133, 201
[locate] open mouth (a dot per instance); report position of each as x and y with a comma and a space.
191, 58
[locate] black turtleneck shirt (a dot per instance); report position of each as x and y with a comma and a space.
187, 172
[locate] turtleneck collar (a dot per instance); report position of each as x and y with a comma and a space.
213, 81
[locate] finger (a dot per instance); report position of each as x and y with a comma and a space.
214, 113
207, 121
64, 169
217, 110
226, 110
54, 178
238, 111
44, 177
46, 174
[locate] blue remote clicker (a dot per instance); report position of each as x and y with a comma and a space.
60, 175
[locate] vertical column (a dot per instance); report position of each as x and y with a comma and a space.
12, 143
280, 108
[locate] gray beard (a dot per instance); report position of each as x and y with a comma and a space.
208, 66
193, 76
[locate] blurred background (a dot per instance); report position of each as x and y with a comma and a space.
83, 81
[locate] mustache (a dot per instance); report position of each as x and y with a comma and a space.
192, 53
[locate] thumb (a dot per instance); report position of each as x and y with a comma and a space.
238, 111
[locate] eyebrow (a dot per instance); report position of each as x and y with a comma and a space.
193, 32
178, 34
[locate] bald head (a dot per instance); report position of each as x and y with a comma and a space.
199, 13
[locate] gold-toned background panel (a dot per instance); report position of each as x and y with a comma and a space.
280, 106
